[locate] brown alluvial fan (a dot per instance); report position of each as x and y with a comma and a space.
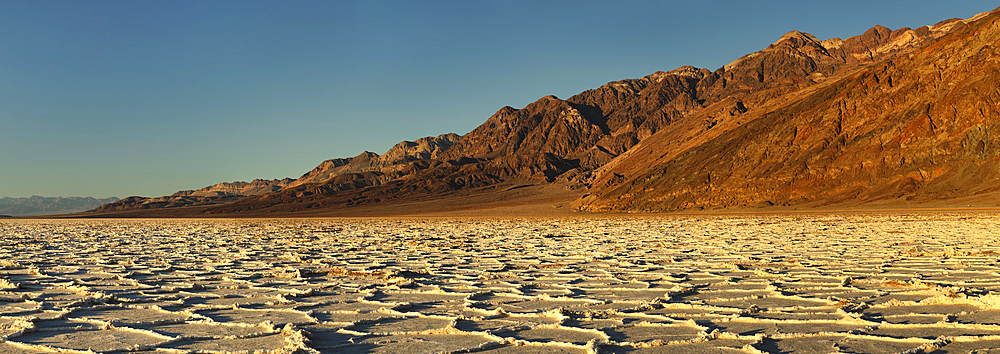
888, 116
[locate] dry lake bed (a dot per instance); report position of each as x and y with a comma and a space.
818, 283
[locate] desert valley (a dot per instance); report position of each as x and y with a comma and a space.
817, 196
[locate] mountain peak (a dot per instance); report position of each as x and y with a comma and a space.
796, 35
876, 34
689, 71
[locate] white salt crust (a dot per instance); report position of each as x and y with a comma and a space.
887, 283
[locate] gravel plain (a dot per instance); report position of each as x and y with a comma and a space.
812, 283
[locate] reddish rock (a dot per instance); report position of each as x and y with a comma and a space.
917, 127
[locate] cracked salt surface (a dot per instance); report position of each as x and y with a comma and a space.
852, 283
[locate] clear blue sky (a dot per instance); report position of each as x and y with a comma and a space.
121, 98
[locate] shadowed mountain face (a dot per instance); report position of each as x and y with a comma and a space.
889, 114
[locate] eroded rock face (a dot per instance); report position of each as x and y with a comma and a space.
424, 148
635, 109
547, 126
215, 194
400, 154
918, 126
239, 188
797, 60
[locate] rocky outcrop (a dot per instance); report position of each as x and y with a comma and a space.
422, 149
635, 109
540, 141
798, 60
237, 189
396, 158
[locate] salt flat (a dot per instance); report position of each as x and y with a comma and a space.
822, 283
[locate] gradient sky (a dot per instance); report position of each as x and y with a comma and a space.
121, 98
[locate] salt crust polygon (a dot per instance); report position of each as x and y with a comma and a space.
861, 282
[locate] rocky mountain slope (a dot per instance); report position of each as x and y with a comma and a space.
795, 123
911, 128
215, 194
403, 152
37, 205
363, 170
255, 187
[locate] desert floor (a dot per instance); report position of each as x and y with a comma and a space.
809, 283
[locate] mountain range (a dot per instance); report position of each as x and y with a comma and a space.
889, 118
37, 205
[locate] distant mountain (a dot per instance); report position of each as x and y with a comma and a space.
255, 187
892, 116
399, 155
37, 205
364, 170
215, 194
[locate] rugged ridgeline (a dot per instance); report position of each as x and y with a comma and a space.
795, 123
361, 171
36, 205
212, 195
397, 157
